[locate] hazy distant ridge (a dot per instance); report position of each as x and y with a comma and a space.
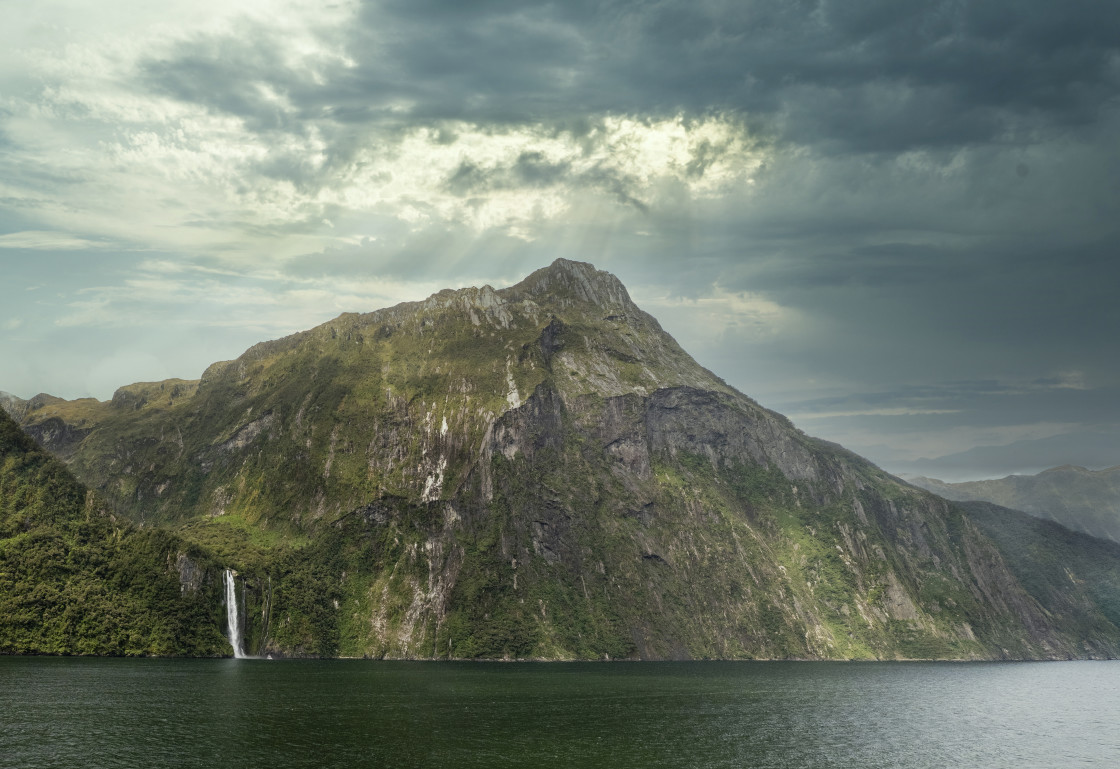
1080, 499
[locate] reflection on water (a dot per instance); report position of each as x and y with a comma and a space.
257, 713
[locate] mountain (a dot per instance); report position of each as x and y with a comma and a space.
541, 471
1082, 500
1072, 572
75, 580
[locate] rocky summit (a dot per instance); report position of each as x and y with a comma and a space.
542, 472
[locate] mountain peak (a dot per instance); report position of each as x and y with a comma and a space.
565, 278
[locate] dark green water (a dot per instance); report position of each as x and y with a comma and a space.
227, 714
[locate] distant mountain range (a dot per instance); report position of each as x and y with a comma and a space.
1079, 499
1024, 457
537, 472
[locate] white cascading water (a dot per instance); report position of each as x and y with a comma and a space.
233, 617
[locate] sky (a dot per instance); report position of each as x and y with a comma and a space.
894, 222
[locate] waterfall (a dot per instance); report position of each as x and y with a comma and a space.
233, 617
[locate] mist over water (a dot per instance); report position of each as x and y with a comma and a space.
250, 713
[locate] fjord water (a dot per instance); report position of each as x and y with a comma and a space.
66, 712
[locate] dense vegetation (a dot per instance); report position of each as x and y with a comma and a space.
75, 581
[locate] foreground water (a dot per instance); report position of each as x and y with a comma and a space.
65, 712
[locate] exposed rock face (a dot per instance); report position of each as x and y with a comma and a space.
57, 435
542, 471
15, 407
191, 575
696, 503
725, 428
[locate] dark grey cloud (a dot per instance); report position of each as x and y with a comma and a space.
529, 169
873, 76
860, 83
225, 74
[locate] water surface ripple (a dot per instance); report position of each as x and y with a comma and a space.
70, 712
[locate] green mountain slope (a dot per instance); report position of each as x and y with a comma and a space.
1082, 500
394, 402
1075, 575
75, 581
540, 471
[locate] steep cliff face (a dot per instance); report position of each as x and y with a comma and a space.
702, 525
542, 471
